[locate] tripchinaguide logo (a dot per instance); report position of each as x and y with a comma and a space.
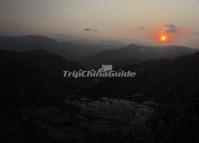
106, 71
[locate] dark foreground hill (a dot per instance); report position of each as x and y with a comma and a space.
34, 78
169, 86
37, 105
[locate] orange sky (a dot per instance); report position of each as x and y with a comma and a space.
128, 21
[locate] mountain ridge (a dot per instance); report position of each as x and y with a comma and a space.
136, 54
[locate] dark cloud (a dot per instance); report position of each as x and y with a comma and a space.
171, 28
142, 28
91, 30
178, 30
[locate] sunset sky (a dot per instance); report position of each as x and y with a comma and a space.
127, 21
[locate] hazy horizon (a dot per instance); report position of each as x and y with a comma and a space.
114, 21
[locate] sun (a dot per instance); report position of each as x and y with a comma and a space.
163, 38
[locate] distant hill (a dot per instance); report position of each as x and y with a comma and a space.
39, 60
65, 49
136, 54
26, 43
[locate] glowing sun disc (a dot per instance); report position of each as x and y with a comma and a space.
163, 38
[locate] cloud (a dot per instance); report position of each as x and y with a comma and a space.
177, 30
171, 28
134, 5
177, 33
142, 28
91, 30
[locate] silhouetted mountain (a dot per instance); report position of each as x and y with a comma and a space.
137, 54
34, 77
38, 105
65, 49
31, 81
152, 78
169, 86
26, 43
